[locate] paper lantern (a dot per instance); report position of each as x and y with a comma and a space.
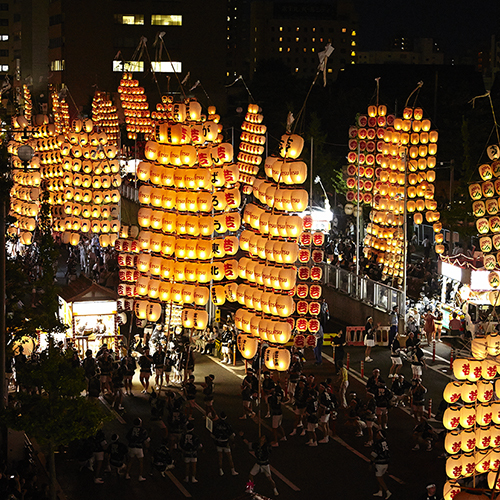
143, 170
484, 415
203, 273
140, 308
153, 288
291, 146
452, 392
467, 417
495, 436
493, 484
474, 373
451, 418
247, 346
461, 368
272, 304
453, 442
277, 359
284, 305
282, 332
187, 318
493, 342
483, 461
230, 291
188, 294
287, 278
468, 464
164, 291
201, 295
450, 490
489, 368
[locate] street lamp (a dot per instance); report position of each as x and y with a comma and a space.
317, 180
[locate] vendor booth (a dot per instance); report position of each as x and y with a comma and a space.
465, 290
90, 311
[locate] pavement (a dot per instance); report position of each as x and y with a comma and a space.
338, 468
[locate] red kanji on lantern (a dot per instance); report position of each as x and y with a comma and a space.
305, 239
313, 325
302, 307
302, 324
302, 291
316, 273
314, 308
303, 273
318, 238
231, 222
229, 245
308, 222
230, 199
304, 255
317, 256
315, 291
291, 322
311, 341
300, 341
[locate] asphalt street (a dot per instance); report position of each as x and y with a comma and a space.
339, 469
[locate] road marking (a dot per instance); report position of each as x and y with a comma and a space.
112, 410
179, 485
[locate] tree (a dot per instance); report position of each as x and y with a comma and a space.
52, 410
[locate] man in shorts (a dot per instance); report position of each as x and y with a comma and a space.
274, 401
117, 454
189, 444
417, 360
137, 438
397, 362
380, 461
145, 363
325, 404
300, 396
261, 450
159, 365
294, 373
417, 393
222, 433
129, 365
267, 385
190, 395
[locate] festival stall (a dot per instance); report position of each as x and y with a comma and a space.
90, 312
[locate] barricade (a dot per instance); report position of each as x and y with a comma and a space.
355, 335
382, 335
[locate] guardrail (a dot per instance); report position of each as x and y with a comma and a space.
371, 292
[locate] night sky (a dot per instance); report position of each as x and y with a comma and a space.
455, 25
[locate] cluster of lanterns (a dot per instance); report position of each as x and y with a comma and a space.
190, 203
135, 107
473, 416
276, 238
485, 197
253, 140
28, 104
391, 162
105, 117
60, 111
84, 185
26, 191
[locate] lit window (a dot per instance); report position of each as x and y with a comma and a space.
330, 70
281, 38
129, 19
57, 65
281, 49
166, 20
167, 67
353, 33
120, 66
281, 28
344, 30
4, 68
313, 39
4, 38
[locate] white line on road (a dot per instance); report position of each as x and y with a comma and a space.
115, 413
179, 485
